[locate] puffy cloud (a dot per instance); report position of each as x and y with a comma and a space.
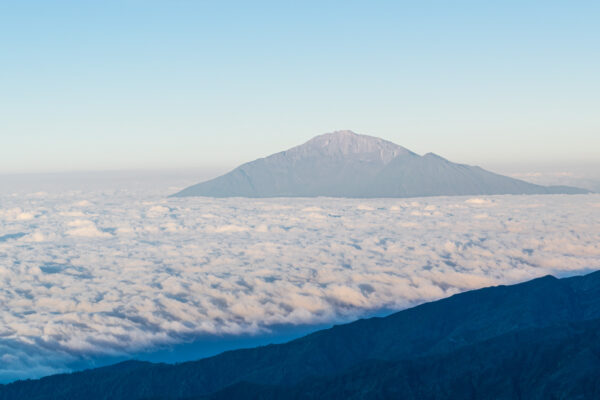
85, 228
72, 214
479, 201
157, 210
16, 214
227, 228
128, 270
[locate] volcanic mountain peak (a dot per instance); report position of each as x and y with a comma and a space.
347, 143
346, 164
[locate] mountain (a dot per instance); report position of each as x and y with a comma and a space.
559, 362
346, 164
535, 340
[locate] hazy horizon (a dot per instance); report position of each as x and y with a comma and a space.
578, 174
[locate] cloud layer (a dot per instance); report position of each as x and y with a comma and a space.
107, 273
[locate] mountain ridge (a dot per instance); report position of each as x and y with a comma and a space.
347, 164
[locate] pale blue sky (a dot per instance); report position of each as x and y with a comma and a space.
185, 84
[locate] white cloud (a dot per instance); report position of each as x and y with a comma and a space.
24, 216
72, 214
479, 201
157, 210
16, 214
227, 228
167, 269
364, 207
85, 228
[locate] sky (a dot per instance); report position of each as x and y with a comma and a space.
210, 84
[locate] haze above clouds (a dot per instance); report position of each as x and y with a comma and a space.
113, 271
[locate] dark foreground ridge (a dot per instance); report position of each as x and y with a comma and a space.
346, 164
535, 340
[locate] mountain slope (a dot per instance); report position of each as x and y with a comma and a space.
560, 361
371, 348
345, 164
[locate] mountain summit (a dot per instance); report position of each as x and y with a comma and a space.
349, 144
346, 164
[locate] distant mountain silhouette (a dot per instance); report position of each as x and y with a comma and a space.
346, 164
535, 340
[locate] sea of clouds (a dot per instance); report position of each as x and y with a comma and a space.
110, 271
